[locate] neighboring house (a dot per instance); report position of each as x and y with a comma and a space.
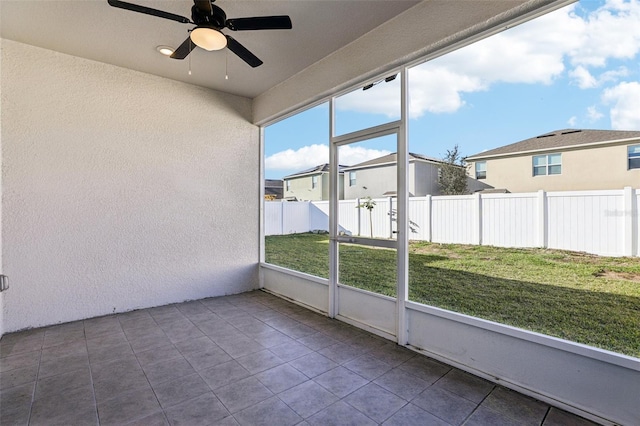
563, 160
310, 185
272, 189
378, 177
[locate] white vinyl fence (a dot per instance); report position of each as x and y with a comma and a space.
605, 223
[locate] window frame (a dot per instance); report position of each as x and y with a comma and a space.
633, 155
314, 181
352, 178
547, 166
478, 172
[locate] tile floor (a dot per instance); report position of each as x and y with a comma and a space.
249, 359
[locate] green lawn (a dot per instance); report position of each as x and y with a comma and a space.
584, 298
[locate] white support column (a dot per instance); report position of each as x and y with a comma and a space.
333, 215
477, 208
402, 214
428, 219
629, 231
542, 219
261, 254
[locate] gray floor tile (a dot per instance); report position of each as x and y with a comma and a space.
375, 402
272, 338
392, 354
155, 419
151, 331
242, 394
210, 357
239, 345
281, 378
341, 352
449, 407
307, 398
165, 371
127, 407
18, 376
62, 365
54, 338
151, 342
110, 353
485, 416
425, 368
368, 367
69, 407
23, 360
557, 417
69, 349
465, 385
21, 342
290, 350
15, 404
223, 374
340, 414
63, 383
402, 383
112, 379
340, 381
267, 413
524, 410
313, 364
413, 415
199, 344
105, 341
259, 361
180, 390
227, 421
153, 356
203, 410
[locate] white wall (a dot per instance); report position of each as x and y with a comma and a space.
122, 190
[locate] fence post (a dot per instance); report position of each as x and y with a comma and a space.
391, 217
627, 221
359, 220
428, 218
282, 218
542, 219
477, 207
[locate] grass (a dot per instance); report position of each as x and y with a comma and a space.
575, 296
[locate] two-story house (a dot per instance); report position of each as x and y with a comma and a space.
378, 177
310, 185
562, 160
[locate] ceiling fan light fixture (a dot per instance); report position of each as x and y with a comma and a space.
208, 38
165, 50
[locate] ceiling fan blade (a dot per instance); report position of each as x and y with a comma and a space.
204, 6
184, 49
282, 22
148, 11
242, 52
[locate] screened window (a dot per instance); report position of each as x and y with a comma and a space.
634, 157
314, 182
547, 164
481, 170
352, 178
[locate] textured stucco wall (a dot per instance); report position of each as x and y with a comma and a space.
121, 190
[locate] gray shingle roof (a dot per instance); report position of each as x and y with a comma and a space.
314, 170
559, 139
391, 158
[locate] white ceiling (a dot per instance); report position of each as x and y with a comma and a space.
94, 30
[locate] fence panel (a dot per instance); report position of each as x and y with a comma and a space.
295, 217
273, 217
510, 220
418, 218
348, 216
453, 219
591, 221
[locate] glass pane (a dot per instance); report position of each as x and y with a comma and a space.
368, 268
555, 158
634, 163
540, 171
555, 170
296, 220
362, 109
634, 150
486, 97
540, 160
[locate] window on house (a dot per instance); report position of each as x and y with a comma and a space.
352, 178
288, 185
314, 182
634, 157
481, 170
547, 164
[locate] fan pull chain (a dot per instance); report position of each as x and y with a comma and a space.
190, 49
226, 64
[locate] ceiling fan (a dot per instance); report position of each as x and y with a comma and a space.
209, 21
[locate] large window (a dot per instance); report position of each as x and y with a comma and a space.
481, 170
352, 178
634, 157
547, 164
314, 182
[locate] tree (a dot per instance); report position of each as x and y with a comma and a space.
368, 204
452, 178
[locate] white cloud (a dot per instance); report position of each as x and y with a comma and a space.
625, 112
572, 121
314, 155
536, 52
594, 114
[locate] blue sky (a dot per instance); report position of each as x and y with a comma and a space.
577, 67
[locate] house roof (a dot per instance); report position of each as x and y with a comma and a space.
392, 158
559, 139
322, 168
